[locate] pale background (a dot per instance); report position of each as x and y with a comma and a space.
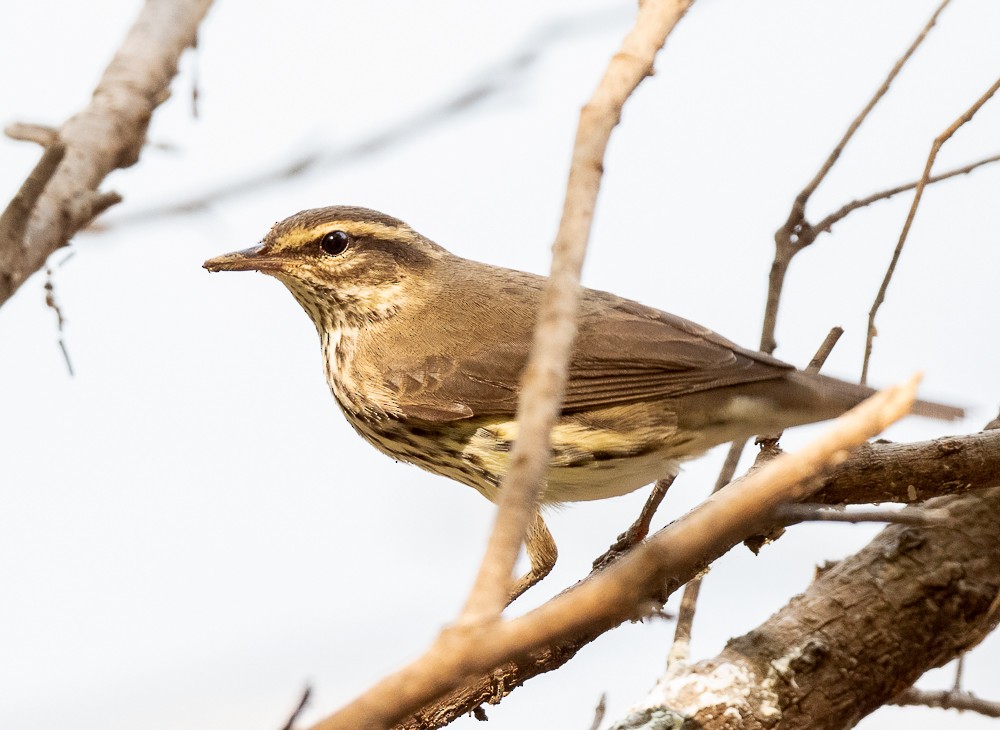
190, 531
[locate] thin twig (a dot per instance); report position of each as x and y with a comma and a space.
947, 700
639, 529
53, 304
293, 718
797, 233
27, 132
838, 215
791, 514
959, 669
545, 374
935, 147
599, 712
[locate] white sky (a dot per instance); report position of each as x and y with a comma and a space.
189, 529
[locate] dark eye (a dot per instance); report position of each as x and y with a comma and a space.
334, 243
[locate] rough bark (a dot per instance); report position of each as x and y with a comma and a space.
863, 632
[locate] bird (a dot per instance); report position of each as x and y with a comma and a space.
423, 351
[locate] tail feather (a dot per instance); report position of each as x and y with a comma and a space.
847, 395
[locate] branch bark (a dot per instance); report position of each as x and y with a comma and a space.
107, 134
862, 633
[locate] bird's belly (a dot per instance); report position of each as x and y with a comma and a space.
587, 462
590, 460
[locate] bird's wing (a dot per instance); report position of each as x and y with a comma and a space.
624, 352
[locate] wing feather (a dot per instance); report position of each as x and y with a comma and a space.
624, 352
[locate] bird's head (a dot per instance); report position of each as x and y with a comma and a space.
344, 265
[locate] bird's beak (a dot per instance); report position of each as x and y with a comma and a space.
250, 259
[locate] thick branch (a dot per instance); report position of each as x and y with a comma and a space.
865, 630
886, 472
109, 133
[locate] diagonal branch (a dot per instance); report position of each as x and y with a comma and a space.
544, 379
107, 134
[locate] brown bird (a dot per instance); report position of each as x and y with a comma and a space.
424, 351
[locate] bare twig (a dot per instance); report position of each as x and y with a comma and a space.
879, 472
825, 348
106, 135
50, 301
599, 713
947, 700
959, 670
37, 133
797, 233
637, 532
838, 215
794, 513
303, 701
544, 379
935, 147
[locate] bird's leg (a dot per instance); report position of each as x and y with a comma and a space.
542, 553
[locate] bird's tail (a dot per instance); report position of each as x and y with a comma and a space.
843, 395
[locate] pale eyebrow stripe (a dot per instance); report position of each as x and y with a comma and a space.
356, 228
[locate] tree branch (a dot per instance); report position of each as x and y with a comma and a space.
107, 134
797, 233
935, 147
544, 379
947, 700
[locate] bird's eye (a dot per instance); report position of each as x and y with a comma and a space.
334, 243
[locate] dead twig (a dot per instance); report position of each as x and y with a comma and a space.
947, 700
797, 233
599, 713
303, 701
791, 514
935, 147
838, 215
53, 304
541, 394
637, 532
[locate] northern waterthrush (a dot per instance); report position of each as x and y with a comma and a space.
424, 350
